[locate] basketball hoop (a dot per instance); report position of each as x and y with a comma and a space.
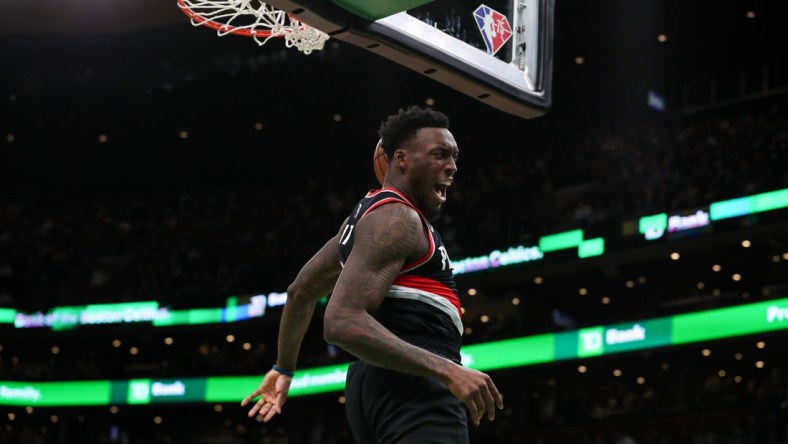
255, 19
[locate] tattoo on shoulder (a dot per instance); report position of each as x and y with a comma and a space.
396, 231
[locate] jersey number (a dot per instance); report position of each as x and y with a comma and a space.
346, 234
444, 257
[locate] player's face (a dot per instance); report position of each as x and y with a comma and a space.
432, 163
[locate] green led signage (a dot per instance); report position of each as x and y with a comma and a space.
530, 350
509, 353
71, 393
651, 227
732, 321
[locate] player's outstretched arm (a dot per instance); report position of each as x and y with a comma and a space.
384, 240
315, 280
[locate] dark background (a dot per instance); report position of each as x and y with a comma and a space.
66, 80
278, 150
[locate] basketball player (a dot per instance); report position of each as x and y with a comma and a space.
393, 305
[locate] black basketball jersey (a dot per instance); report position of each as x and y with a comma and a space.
429, 280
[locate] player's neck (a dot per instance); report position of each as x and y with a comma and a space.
401, 188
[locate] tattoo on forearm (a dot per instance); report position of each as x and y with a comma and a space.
375, 344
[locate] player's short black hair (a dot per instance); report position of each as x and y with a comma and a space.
400, 127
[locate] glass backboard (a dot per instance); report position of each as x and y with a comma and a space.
499, 51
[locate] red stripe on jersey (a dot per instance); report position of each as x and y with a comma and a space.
430, 250
414, 265
396, 191
429, 285
381, 202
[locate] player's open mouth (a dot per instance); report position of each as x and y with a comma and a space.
440, 189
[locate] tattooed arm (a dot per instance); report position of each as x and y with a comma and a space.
315, 280
385, 239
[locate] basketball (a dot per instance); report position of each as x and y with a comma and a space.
380, 162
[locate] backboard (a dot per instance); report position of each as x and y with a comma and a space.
499, 52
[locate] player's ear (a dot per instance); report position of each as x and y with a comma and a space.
399, 157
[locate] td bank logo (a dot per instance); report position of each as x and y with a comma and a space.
139, 391
590, 341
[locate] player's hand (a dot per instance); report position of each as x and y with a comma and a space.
273, 394
477, 391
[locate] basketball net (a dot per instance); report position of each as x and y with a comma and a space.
253, 18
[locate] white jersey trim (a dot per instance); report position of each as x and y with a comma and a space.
439, 302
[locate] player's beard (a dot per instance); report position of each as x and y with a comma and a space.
433, 214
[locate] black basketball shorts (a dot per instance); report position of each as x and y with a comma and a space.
387, 407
